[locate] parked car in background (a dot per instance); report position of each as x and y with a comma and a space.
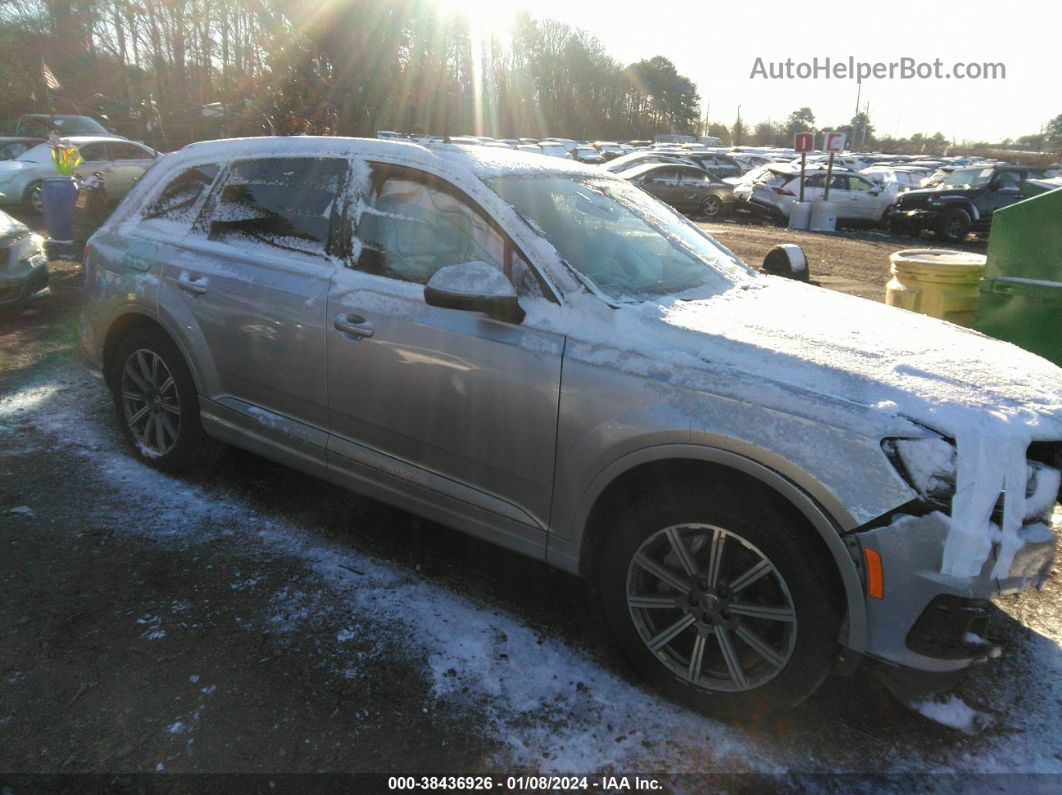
40, 125
13, 146
120, 162
756, 473
585, 153
554, 149
961, 202
568, 144
896, 178
23, 263
856, 197
609, 149
643, 157
531, 148
686, 188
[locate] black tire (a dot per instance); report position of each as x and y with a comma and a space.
31, 199
953, 225
898, 228
712, 207
176, 441
799, 584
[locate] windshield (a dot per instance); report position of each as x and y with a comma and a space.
632, 247
967, 178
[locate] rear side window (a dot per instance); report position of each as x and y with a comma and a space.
286, 203
120, 151
92, 153
178, 200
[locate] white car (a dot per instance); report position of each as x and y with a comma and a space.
554, 149
585, 153
120, 162
857, 198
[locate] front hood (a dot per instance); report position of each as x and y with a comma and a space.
870, 356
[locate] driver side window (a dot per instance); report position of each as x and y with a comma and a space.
412, 224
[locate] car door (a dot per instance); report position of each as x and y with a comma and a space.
94, 159
869, 199
251, 282
439, 405
663, 183
128, 162
1004, 188
692, 188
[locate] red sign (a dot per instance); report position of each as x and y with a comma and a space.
804, 142
834, 142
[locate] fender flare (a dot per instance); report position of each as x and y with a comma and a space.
963, 204
829, 530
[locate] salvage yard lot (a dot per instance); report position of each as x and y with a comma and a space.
253, 619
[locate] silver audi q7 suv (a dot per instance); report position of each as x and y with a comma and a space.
763, 477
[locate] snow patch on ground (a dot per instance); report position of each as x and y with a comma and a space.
954, 713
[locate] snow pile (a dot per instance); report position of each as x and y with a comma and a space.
954, 713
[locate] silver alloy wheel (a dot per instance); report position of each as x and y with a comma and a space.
151, 403
711, 607
953, 227
711, 206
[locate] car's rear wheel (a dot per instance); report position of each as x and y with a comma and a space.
724, 604
157, 404
712, 207
953, 225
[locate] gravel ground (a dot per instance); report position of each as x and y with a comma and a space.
253, 620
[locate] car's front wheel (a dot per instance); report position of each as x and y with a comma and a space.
725, 604
953, 225
157, 404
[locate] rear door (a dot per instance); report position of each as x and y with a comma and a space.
93, 159
128, 162
250, 282
440, 405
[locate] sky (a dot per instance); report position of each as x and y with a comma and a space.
716, 45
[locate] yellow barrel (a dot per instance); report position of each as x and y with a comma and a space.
936, 282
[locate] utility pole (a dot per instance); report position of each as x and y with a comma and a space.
737, 128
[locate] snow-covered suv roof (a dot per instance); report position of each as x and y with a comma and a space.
479, 160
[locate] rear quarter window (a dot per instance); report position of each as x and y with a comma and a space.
179, 199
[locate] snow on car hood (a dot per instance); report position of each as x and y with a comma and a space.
992, 397
784, 341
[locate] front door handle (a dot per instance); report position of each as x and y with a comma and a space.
353, 324
187, 283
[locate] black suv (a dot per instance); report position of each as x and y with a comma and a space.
963, 201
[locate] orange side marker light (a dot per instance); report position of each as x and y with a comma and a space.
875, 577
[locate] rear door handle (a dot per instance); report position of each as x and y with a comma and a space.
353, 324
187, 283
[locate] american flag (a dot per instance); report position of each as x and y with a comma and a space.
49, 79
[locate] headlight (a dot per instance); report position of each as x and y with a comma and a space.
929, 466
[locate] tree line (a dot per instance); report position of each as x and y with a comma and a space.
349, 67
861, 136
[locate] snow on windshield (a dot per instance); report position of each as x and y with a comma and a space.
630, 246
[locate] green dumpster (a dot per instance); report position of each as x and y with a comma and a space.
1021, 294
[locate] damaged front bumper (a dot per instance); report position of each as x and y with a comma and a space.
933, 622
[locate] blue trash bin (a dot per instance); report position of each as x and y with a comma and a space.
57, 204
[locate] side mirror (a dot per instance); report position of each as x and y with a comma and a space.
474, 287
787, 260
